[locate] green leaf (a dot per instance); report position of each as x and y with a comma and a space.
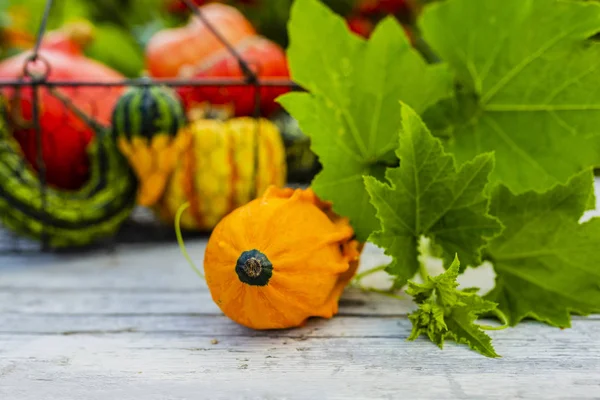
547, 263
448, 313
109, 45
530, 88
428, 195
351, 108
32, 11
591, 203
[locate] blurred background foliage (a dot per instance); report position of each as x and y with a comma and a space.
123, 27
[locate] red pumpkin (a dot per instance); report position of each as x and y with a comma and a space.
264, 57
367, 7
361, 26
65, 136
170, 50
178, 6
71, 38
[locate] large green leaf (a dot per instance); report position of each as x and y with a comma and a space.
428, 195
530, 87
351, 109
547, 264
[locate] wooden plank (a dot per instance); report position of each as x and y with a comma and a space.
133, 267
158, 280
108, 302
538, 362
77, 302
138, 323
146, 281
154, 267
217, 325
196, 325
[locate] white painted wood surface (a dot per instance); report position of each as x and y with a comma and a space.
138, 324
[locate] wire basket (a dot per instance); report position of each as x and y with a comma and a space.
82, 102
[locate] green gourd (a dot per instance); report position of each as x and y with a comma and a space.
302, 163
147, 121
65, 218
148, 111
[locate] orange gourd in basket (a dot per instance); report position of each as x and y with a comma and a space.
280, 259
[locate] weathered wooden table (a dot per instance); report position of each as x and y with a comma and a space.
139, 324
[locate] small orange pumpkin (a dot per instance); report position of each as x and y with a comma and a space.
280, 259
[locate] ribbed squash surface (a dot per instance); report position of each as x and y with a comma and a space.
219, 171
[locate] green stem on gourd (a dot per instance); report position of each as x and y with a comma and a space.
178, 215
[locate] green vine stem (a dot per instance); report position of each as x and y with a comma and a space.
502, 318
383, 292
423, 270
424, 250
178, 215
364, 274
359, 277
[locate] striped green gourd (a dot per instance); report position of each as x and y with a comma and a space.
68, 219
146, 111
147, 121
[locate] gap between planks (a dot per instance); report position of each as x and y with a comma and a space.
209, 326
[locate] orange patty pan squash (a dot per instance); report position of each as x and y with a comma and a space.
280, 259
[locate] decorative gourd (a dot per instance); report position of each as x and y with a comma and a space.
280, 259
72, 218
169, 50
65, 135
373, 7
302, 163
224, 168
146, 123
265, 57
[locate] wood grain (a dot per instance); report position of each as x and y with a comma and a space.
138, 324
538, 363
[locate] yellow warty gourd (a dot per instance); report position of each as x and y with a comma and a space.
223, 168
